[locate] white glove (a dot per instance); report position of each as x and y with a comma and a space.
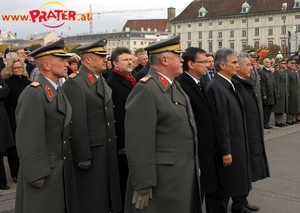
141, 197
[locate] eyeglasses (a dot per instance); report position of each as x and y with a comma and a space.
18, 67
201, 62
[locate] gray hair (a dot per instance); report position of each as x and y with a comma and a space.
222, 55
154, 58
241, 57
11, 55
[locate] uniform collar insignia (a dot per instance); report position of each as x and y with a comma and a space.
91, 77
49, 91
163, 81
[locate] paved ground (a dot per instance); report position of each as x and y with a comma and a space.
278, 194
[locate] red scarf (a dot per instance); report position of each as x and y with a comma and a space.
129, 77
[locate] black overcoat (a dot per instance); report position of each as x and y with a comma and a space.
231, 138
206, 134
294, 92
257, 152
268, 87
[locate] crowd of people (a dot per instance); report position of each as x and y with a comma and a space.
163, 133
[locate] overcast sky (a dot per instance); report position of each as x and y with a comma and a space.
101, 23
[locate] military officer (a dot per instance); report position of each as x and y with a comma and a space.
43, 116
93, 138
161, 145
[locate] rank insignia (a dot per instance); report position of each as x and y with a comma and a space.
145, 79
163, 81
91, 77
73, 75
35, 84
49, 91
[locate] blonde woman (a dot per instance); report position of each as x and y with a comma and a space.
16, 77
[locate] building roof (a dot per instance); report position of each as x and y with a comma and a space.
38, 36
159, 24
223, 8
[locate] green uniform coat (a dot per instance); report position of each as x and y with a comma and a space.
281, 81
93, 137
294, 92
42, 138
161, 147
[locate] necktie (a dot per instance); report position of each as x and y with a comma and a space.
211, 75
199, 85
61, 105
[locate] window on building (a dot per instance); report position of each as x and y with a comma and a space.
270, 30
256, 44
210, 23
210, 34
219, 23
270, 43
231, 33
244, 44
283, 30
231, 22
134, 42
256, 19
178, 26
244, 32
200, 35
200, 45
189, 25
296, 5
189, 44
244, 20
297, 16
220, 44
283, 18
127, 43
256, 31
113, 43
210, 47
189, 36
142, 43
231, 45
270, 18
200, 24
219, 34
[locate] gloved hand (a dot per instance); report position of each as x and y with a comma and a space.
38, 183
84, 165
141, 197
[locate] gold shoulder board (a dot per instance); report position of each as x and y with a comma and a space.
35, 84
145, 79
73, 75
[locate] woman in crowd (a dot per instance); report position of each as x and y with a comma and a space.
16, 77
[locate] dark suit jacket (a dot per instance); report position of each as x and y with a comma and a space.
230, 138
205, 128
268, 86
205, 80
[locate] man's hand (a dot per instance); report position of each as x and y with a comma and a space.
122, 151
84, 165
38, 183
141, 197
264, 97
227, 160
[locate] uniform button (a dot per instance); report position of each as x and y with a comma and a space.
71, 121
176, 103
108, 124
115, 121
65, 158
105, 108
69, 152
70, 137
109, 139
64, 142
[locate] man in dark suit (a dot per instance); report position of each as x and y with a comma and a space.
231, 142
195, 67
43, 117
121, 81
210, 71
268, 91
161, 138
93, 141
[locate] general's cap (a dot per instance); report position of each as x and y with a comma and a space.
168, 45
292, 60
253, 53
56, 48
97, 47
282, 61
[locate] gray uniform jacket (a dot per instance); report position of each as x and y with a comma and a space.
42, 138
93, 138
281, 81
294, 92
161, 146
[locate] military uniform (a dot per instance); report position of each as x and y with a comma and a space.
161, 144
42, 137
93, 138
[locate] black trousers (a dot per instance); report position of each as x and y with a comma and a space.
240, 202
267, 113
215, 204
3, 180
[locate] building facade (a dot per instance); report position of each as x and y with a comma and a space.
213, 24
